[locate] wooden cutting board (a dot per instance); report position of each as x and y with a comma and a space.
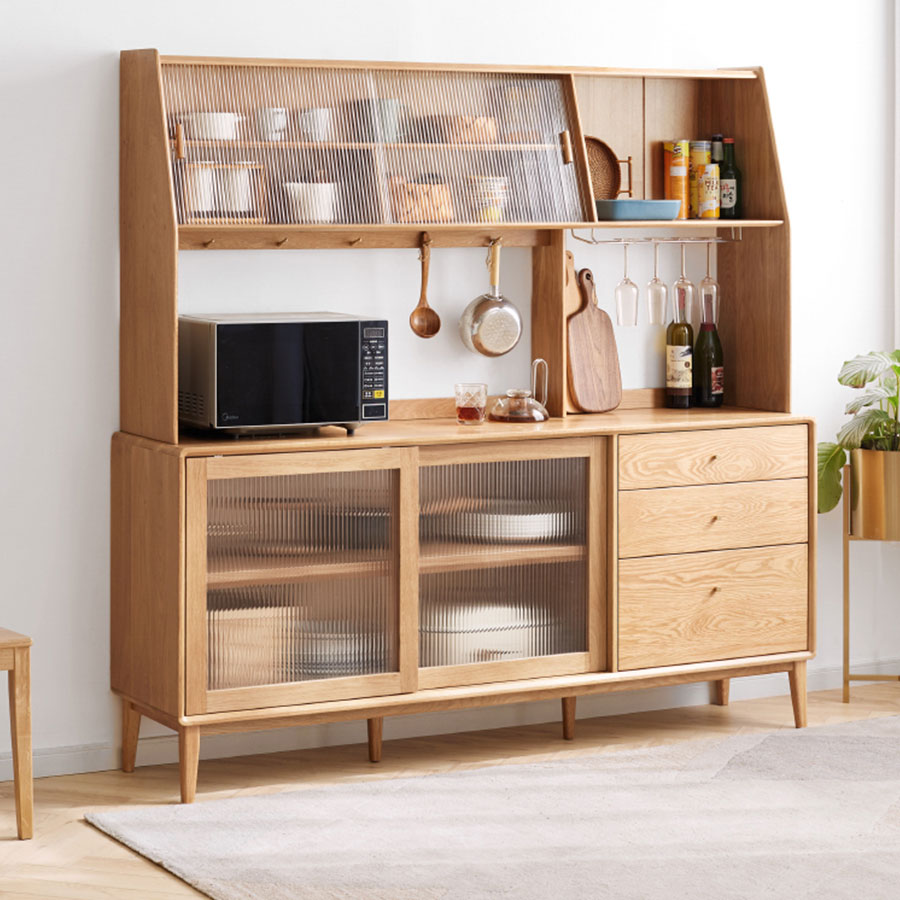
595, 381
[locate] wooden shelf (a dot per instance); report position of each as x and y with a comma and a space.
421, 432
409, 236
241, 144
260, 571
685, 224
448, 557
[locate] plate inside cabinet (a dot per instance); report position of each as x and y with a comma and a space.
627, 209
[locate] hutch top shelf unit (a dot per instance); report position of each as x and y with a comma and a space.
223, 153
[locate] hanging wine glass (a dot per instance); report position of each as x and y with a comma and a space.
657, 292
683, 301
626, 297
709, 294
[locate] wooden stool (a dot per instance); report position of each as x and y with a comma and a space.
15, 653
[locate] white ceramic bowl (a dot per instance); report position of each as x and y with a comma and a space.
212, 126
311, 201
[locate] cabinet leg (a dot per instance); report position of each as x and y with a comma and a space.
568, 718
797, 676
189, 760
375, 730
131, 729
720, 691
20, 731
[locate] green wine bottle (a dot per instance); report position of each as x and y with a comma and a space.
709, 370
731, 186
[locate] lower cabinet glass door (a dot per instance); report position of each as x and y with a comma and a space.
508, 581
295, 578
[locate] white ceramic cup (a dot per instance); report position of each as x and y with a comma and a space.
234, 186
312, 201
271, 122
212, 126
314, 124
200, 187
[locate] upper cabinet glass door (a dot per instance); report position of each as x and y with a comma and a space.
315, 145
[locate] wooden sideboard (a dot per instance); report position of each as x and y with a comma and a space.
419, 565
689, 557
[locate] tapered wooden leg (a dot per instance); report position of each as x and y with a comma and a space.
797, 676
188, 760
720, 689
375, 729
568, 718
20, 730
131, 729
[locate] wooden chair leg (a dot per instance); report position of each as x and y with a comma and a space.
20, 730
131, 729
375, 729
568, 718
797, 676
721, 691
188, 760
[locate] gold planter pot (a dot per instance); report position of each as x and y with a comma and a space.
875, 495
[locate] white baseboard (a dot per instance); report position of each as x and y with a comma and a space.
160, 749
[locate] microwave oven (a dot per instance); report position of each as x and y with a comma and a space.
281, 372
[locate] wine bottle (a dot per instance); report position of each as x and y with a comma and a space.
709, 371
730, 184
680, 344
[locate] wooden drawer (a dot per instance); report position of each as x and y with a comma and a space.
712, 457
698, 607
713, 517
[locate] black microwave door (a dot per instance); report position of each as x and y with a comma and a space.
287, 373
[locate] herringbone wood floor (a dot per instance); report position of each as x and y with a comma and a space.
69, 859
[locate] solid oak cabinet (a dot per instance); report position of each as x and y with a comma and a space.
419, 565
413, 574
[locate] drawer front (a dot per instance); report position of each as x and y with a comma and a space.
713, 517
699, 607
724, 455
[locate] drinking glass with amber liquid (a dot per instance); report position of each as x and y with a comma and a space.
471, 403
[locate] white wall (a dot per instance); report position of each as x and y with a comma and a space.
830, 78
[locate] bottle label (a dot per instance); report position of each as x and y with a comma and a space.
718, 379
728, 192
678, 367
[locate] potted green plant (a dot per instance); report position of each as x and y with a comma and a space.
872, 438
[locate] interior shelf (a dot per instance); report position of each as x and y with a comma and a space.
444, 557
358, 145
259, 572
448, 557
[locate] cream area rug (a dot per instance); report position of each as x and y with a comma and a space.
812, 813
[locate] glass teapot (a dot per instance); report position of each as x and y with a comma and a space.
520, 405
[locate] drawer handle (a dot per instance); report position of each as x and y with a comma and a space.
715, 590
714, 457
713, 519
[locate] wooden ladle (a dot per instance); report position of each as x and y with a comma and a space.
423, 320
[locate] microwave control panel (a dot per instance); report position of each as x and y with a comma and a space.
373, 370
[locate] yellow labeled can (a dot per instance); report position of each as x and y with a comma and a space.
701, 156
708, 192
676, 159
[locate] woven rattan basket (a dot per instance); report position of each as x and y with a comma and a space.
605, 169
